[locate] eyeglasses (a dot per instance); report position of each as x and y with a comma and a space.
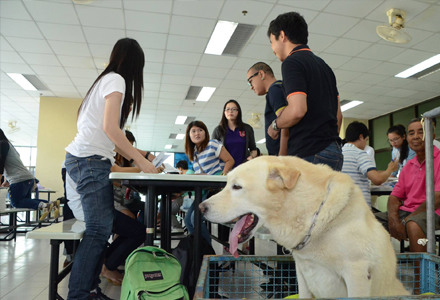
231, 109
395, 139
249, 79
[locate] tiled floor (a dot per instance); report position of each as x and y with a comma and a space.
24, 269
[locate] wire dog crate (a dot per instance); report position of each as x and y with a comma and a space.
274, 277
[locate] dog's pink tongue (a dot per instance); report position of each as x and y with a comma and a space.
233, 237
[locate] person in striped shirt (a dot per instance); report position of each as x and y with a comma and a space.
208, 157
358, 164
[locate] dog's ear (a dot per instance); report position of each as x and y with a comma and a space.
282, 177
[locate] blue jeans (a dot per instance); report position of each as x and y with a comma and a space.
189, 221
20, 195
91, 175
331, 156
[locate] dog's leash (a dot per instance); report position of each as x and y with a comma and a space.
315, 217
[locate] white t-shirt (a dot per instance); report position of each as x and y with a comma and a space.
74, 198
91, 138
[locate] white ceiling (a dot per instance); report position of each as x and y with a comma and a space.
67, 45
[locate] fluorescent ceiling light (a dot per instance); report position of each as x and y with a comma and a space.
419, 67
220, 37
351, 104
180, 136
262, 141
180, 120
22, 81
168, 146
205, 93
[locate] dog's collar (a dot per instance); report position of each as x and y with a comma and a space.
315, 217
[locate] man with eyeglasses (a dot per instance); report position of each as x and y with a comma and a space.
262, 81
313, 114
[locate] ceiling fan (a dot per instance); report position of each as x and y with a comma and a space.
255, 121
394, 32
13, 127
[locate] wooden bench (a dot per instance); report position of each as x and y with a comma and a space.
57, 233
11, 229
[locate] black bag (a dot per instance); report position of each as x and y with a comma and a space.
184, 253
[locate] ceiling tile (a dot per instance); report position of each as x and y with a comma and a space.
412, 8
348, 47
60, 32
11, 57
354, 87
69, 48
411, 57
102, 51
192, 26
234, 84
333, 60
396, 82
203, 81
158, 6
244, 64
51, 12
41, 59
186, 44
360, 64
319, 42
142, 21
333, 25
182, 58
390, 69
176, 79
4, 45
370, 79
85, 82
16, 68
82, 73
14, 9
108, 4
381, 52
183, 70
359, 8
151, 77
365, 30
228, 93
308, 15
30, 45
346, 75
152, 67
237, 75
256, 11
19, 28
178, 88
76, 61
154, 55
313, 5
49, 70
427, 20
211, 72
377, 90
101, 17
149, 40
217, 61
259, 52
205, 9
429, 44
56, 80
401, 93
103, 36
260, 36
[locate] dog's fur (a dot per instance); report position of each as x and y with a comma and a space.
349, 253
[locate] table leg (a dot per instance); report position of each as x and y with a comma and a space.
53, 271
197, 232
150, 211
165, 233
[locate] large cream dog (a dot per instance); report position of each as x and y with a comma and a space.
348, 252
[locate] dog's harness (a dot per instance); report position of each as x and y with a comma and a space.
315, 216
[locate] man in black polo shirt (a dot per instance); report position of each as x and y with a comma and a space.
263, 82
313, 114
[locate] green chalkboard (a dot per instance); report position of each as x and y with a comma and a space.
427, 106
404, 116
382, 160
378, 129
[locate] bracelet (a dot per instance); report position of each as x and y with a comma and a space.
404, 222
148, 154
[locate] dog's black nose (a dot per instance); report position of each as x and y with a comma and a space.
203, 208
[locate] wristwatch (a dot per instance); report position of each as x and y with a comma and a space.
274, 125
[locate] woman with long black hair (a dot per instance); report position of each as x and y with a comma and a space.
101, 117
401, 150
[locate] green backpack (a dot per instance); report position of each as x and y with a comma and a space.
152, 273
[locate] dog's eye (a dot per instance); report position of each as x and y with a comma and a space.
236, 187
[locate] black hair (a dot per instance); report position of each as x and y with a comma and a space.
293, 25
224, 122
130, 136
127, 59
262, 66
354, 130
400, 130
3, 136
182, 164
189, 145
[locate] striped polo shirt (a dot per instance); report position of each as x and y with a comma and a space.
357, 163
209, 159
